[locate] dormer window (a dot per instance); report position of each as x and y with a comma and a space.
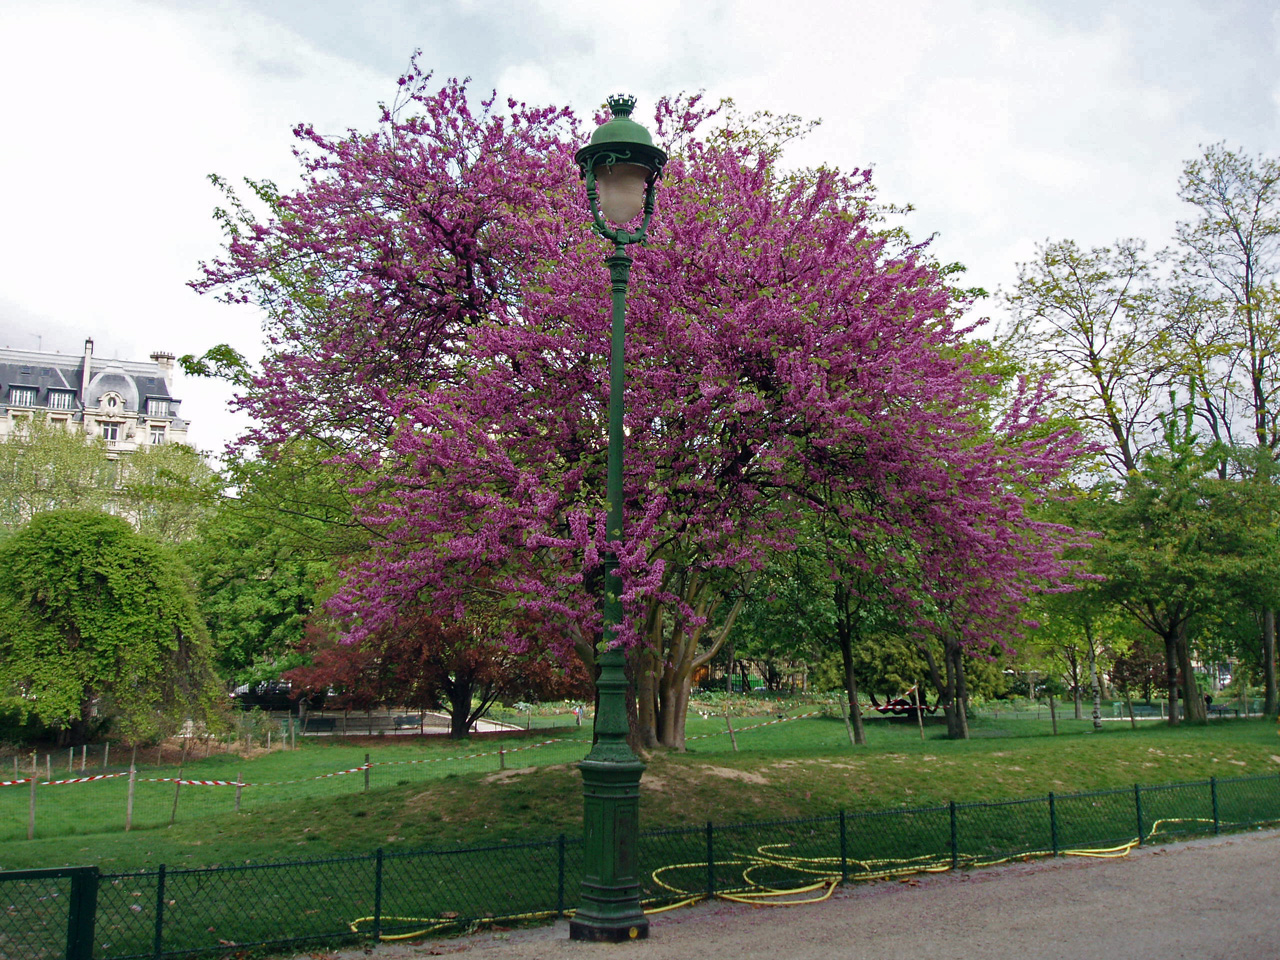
157, 407
62, 400
22, 396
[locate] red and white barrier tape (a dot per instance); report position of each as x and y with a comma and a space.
100, 776
469, 756
756, 726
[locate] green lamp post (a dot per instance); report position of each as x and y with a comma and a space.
621, 167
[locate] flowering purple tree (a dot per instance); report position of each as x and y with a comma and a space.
437, 314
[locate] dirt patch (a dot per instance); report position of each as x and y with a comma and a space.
728, 773
503, 776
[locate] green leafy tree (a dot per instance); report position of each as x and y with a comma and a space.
1230, 324
167, 491
1178, 544
98, 624
45, 466
1091, 320
264, 555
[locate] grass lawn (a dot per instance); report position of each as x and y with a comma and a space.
425, 793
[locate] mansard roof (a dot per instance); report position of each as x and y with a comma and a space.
134, 381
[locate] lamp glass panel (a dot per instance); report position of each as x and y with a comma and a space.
621, 187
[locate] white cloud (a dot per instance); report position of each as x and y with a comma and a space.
119, 111
1003, 122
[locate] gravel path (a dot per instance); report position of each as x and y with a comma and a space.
1214, 899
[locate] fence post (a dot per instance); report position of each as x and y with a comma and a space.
128, 800
157, 943
955, 838
239, 787
1137, 805
71, 760
366, 773
560, 876
106, 753
377, 897
711, 863
848, 727
1213, 795
502, 759
81, 912
844, 849
1053, 822
31, 806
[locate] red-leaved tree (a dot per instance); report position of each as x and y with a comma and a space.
422, 663
437, 313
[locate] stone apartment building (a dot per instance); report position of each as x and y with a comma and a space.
129, 404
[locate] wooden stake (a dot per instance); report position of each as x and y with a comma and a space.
177, 785
106, 752
1128, 702
1053, 715
84, 756
848, 727
239, 787
919, 712
128, 802
31, 806
48, 763
177, 788
733, 737
71, 759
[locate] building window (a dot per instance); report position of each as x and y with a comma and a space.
157, 436
110, 431
157, 408
22, 396
62, 400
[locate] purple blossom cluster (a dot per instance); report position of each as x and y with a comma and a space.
437, 315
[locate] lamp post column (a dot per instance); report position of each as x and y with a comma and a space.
610, 909
621, 167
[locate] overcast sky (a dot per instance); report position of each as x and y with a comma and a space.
1004, 123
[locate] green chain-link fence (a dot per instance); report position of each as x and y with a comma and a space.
81, 914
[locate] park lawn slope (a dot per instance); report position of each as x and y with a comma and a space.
683, 789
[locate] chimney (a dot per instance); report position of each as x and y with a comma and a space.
86, 373
164, 361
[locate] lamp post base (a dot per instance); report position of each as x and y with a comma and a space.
610, 910
596, 933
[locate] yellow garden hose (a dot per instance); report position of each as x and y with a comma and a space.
823, 874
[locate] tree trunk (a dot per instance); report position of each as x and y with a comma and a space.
962, 691
459, 709
646, 677
1196, 711
1272, 705
1077, 691
952, 708
1171, 675
1097, 686
851, 688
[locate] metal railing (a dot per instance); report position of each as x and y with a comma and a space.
80, 913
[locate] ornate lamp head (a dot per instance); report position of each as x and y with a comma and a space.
621, 167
